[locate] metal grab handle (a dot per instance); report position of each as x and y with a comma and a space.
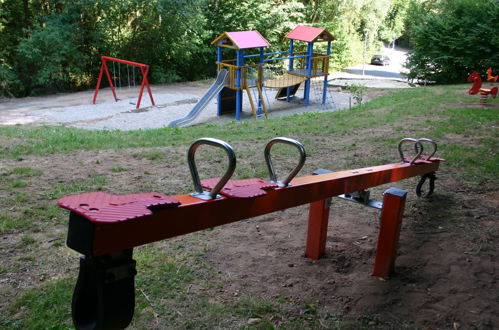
200, 193
268, 160
430, 141
418, 146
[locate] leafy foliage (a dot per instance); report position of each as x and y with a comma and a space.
53, 45
454, 39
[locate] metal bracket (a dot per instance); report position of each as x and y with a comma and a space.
104, 296
362, 197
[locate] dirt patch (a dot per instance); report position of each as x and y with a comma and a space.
445, 276
473, 105
440, 282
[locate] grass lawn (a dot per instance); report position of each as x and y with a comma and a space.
179, 284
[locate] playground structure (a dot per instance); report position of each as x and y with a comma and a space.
254, 72
477, 87
117, 74
105, 228
301, 68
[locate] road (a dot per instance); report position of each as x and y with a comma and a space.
395, 70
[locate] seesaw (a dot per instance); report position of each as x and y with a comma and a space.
105, 228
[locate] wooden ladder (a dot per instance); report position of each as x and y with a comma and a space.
252, 103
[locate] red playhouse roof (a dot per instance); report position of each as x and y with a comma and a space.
241, 40
310, 34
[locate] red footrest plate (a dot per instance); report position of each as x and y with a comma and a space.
103, 207
247, 188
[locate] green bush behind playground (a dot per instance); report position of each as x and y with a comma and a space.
55, 45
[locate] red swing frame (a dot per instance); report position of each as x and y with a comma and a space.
144, 69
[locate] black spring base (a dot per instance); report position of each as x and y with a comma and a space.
104, 296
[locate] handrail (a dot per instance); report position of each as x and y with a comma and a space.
430, 141
200, 193
320, 65
418, 147
268, 160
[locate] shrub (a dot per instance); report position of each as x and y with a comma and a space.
48, 58
458, 37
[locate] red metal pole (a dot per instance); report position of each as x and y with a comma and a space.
389, 231
147, 84
114, 59
144, 68
109, 79
144, 79
317, 228
98, 82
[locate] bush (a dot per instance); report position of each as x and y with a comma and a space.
9, 83
48, 58
459, 37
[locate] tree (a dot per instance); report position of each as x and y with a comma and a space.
50, 45
458, 37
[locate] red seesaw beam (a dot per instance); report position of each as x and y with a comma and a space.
195, 214
144, 69
106, 228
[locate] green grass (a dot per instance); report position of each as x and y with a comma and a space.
64, 189
25, 172
46, 307
47, 140
15, 178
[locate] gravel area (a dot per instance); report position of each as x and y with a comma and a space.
172, 101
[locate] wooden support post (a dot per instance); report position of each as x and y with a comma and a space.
389, 231
317, 228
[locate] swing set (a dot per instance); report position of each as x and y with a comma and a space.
143, 68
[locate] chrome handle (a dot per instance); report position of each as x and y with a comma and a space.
417, 145
268, 160
430, 141
200, 193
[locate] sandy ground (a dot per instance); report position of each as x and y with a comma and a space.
172, 101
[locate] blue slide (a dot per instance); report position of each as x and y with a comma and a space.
217, 86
